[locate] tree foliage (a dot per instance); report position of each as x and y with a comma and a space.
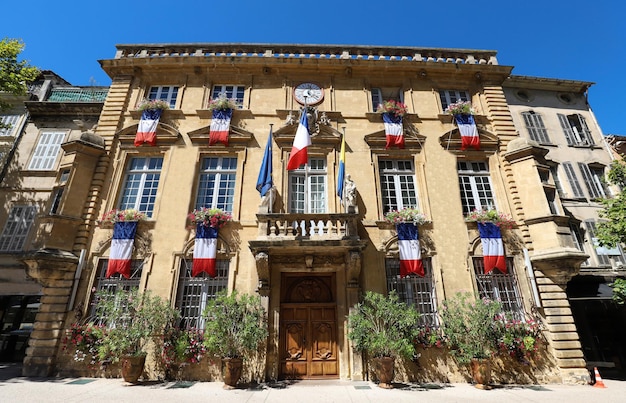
612, 230
619, 291
14, 74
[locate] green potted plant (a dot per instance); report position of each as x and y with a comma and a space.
385, 328
236, 325
471, 329
132, 320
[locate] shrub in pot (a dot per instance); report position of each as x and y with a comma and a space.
385, 328
236, 325
132, 320
470, 326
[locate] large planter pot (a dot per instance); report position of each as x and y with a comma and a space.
481, 372
231, 371
132, 367
384, 367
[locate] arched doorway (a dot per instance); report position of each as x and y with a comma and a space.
308, 326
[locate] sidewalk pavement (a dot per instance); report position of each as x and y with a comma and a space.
16, 388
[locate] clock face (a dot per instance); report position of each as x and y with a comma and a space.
308, 93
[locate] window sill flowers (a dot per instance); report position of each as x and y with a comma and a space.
222, 103
493, 216
115, 215
460, 108
406, 215
152, 104
209, 217
392, 107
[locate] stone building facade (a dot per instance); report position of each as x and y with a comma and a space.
309, 254
43, 125
572, 157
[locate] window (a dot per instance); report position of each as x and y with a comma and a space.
397, 181
167, 94
499, 286
141, 184
557, 180
379, 95
593, 180
551, 198
235, 92
577, 191
575, 129
115, 282
451, 96
16, 228
535, 127
307, 187
57, 193
47, 151
194, 292
216, 188
475, 186
11, 122
604, 254
415, 290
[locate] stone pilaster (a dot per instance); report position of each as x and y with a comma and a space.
54, 270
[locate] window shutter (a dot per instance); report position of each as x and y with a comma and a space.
567, 129
573, 180
535, 127
594, 191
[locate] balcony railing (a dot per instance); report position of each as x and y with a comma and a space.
78, 95
285, 51
315, 227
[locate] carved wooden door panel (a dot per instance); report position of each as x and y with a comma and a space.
308, 328
309, 342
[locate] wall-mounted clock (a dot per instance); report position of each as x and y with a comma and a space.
308, 93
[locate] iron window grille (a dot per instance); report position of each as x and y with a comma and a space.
415, 290
194, 292
500, 286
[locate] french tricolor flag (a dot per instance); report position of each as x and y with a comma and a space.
301, 141
204, 250
468, 130
121, 248
393, 130
220, 125
493, 248
410, 254
146, 132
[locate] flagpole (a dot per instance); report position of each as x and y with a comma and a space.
344, 202
271, 204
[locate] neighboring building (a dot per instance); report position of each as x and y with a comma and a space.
572, 158
307, 253
31, 189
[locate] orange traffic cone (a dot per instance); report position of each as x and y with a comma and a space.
599, 383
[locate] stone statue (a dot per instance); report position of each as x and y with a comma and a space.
268, 201
350, 189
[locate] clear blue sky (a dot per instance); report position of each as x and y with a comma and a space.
574, 39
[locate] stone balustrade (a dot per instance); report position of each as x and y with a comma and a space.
440, 55
317, 227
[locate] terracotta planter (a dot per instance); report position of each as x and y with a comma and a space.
132, 367
384, 367
231, 371
481, 372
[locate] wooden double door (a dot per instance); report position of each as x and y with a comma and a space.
308, 328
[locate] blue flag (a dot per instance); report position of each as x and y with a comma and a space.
342, 168
265, 182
